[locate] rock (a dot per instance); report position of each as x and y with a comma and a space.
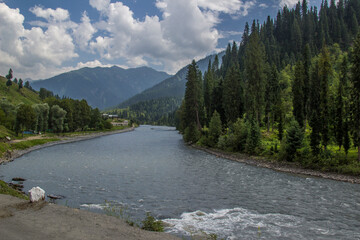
8, 138
55, 197
36, 194
18, 179
16, 186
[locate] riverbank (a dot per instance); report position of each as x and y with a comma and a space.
278, 166
20, 219
11, 155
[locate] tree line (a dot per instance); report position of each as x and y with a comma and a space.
160, 111
291, 89
53, 115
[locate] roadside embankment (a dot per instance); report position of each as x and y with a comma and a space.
20, 219
18, 153
279, 166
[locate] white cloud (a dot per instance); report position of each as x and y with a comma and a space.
263, 5
57, 15
100, 4
84, 32
153, 40
29, 51
227, 6
289, 3
186, 30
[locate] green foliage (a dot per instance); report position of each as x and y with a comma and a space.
355, 97
25, 118
192, 134
57, 118
298, 93
107, 124
232, 94
294, 140
30, 143
6, 189
215, 129
254, 75
253, 140
151, 224
159, 111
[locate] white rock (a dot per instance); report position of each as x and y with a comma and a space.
36, 194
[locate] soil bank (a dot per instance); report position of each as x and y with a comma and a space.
20, 219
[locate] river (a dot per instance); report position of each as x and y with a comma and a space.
152, 170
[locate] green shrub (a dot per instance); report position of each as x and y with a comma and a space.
192, 134
294, 140
5, 189
151, 224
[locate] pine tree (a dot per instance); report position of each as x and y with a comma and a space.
306, 79
294, 139
355, 80
340, 108
20, 83
254, 74
324, 75
9, 77
215, 128
193, 95
298, 94
232, 95
315, 121
208, 91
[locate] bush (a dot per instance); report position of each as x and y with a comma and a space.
253, 140
294, 140
151, 224
107, 124
192, 134
240, 129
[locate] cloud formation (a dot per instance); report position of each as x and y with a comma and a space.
185, 30
31, 50
288, 3
154, 39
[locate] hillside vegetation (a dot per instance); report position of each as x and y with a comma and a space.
102, 87
290, 91
16, 96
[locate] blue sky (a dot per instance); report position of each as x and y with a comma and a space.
43, 38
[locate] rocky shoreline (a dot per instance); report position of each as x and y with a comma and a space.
279, 166
11, 156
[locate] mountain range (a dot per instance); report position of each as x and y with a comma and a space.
107, 88
174, 86
102, 87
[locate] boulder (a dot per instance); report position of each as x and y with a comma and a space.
36, 194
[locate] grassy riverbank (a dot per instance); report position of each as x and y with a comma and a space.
7, 190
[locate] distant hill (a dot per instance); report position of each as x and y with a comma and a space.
102, 87
15, 96
172, 87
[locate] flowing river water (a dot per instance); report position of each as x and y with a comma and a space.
152, 170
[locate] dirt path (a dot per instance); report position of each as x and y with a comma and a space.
20, 219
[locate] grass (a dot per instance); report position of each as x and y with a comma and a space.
30, 143
16, 96
336, 161
7, 190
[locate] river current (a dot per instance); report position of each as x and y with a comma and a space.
152, 170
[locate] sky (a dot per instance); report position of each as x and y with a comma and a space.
43, 38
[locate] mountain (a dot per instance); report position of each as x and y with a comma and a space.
102, 87
172, 87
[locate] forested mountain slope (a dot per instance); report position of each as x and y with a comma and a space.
102, 87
